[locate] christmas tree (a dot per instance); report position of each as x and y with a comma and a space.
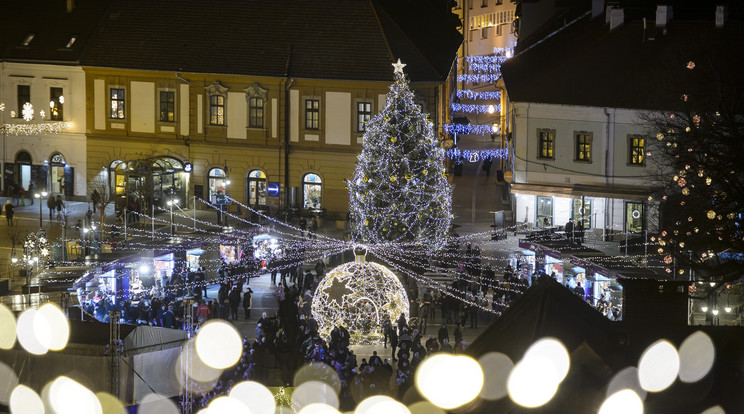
399, 192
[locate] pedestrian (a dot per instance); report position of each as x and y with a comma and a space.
14, 192
443, 334
9, 212
579, 231
234, 300
31, 192
487, 166
22, 195
393, 340
314, 228
95, 198
303, 225
59, 205
570, 230
248, 303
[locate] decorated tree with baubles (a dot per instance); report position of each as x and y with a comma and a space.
700, 143
399, 191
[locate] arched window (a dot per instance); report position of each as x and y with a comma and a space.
257, 188
311, 191
218, 182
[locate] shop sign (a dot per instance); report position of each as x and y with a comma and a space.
273, 189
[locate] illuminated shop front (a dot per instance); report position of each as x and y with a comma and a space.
148, 182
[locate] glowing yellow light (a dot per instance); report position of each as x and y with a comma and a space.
449, 381
7, 328
711, 214
110, 404
696, 356
491, 109
554, 351
496, 367
425, 407
532, 382
58, 324
622, 402
25, 400
658, 366
254, 395
379, 404
313, 392
33, 332
218, 344
69, 396
189, 365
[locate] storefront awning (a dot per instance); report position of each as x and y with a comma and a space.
579, 190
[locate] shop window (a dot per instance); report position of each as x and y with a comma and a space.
311, 191
636, 150
544, 211
585, 215
218, 182
56, 104
257, 188
167, 106
546, 144
634, 217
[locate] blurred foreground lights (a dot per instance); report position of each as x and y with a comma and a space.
317, 408
58, 324
714, 410
496, 367
227, 405
622, 402
254, 395
24, 400
535, 379
425, 407
8, 382
314, 392
219, 345
696, 356
67, 396
156, 404
658, 366
449, 381
34, 332
7, 328
110, 404
554, 351
381, 404
626, 378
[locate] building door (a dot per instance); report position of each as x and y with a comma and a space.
23, 169
56, 173
257, 188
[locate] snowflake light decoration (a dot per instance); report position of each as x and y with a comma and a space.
28, 112
358, 295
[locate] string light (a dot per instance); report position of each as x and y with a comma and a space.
37, 129
475, 155
479, 129
472, 108
478, 95
478, 78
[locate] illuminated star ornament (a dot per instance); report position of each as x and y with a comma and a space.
398, 66
338, 290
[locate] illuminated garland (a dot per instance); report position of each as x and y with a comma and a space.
477, 155
35, 129
399, 191
472, 108
480, 129
477, 78
500, 56
476, 95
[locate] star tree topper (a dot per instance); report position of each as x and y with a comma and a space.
398, 66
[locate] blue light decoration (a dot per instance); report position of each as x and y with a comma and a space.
477, 78
399, 191
471, 108
478, 95
272, 189
477, 129
188, 167
475, 155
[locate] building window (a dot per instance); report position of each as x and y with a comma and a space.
499, 30
167, 106
364, 114
311, 191
257, 188
312, 114
585, 216
637, 150
218, 182
24, 96
634, 217
544, 211
484, 3
56, 104
583, 142
546, 143
256, 112
117, 103
217, 110
484, 33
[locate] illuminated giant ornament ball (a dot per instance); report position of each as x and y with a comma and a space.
358, 295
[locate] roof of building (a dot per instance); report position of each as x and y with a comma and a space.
41, 31
587, 64
348, 40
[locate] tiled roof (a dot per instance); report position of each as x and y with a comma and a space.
349, 39
52, 27
589, 65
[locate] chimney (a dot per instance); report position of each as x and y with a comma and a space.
70, 5
721, 15
617, 17
597, 6
663, 15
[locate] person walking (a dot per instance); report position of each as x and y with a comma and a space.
570, 230
59, 204
393, 340
22, 195
314, 228
9, 211
248, 303
51, 205
579, 232
30, 192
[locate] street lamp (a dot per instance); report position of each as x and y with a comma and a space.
40, 196
171, 203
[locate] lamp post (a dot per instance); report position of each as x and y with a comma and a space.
171, 203
40, 196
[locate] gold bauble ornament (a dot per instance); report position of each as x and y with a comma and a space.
408, 177
392, 178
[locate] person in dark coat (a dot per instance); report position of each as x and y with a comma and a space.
248, 303
393, 340
51, 205
9, 211
443, 334
570, 230
234, 299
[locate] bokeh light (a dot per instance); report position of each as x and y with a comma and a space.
8, 382
714, 410
449, 381
24, 400
190, 366
219, 344
228, 405
318, 371
7, 328
496, 367
33, 332
533, 382
554, 351
110, 404
318, 408
622, 402
157, 404
696, 356
254, 395
658, 366
425, 407
58, 324
67, 396
314, 392
626, 378
381, 404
